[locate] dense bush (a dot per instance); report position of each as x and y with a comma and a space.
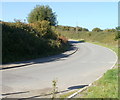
85, 29
82, 29
79, 28
70, 28
63, 39
44, 29
110, 30
19, 26
117, 35
20, 42
96, 30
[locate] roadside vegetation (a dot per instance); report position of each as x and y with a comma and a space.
92, 36
23, 41
65, 95
105, 87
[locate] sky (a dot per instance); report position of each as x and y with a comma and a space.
84, 14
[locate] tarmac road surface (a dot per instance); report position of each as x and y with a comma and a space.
81, 68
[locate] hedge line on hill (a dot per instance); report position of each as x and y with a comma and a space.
22, 41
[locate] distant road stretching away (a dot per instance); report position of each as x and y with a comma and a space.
81, 68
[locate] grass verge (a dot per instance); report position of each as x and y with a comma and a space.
67, 94
105, 87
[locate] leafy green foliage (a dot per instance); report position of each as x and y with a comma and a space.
118, 28
20, 42
85, 29
118, 33
44, 30
40, 13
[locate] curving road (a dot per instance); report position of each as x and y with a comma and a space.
81, 68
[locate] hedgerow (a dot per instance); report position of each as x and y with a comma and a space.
20, 41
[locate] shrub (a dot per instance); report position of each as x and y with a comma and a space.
44, 30
85, 29
117, 35
96, 30
19, 26
110, 30
79, 28
21, 43
63, 39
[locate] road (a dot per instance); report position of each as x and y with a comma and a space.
81, 68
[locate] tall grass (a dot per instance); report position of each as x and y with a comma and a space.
102, 37
106, 87
107, 39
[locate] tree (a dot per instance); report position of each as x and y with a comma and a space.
110, 30
118, 28
40, 13
117, 35
85, 29
79, 28
96, 30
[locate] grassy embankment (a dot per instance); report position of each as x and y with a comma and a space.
24, 42
107, 86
